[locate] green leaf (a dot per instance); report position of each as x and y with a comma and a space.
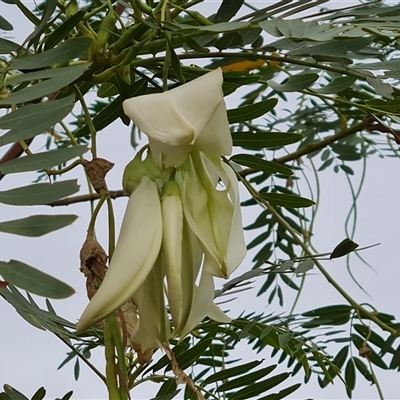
246, 380
260, 387
262, 140
253, 111
168, 396
58, 34
232, 372
32, 280
190, 356
395, 361
350, 374
64, 77
34, 119
7, 46
337, 85
38, 194
167, 388
294, 83
227, 10
333, 48
216, 28
345, 247
346, 169
37, 225
259, 164
14, 393
5, 25
39, 395
287, 200
65, 52
392, 106
382, 88
50, 6
110, 113
43, 160
282, 393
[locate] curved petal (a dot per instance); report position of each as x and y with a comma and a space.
191, 116
137, 249
152, 330
214, 215
203, 305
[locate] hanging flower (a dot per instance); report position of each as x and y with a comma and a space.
182, 226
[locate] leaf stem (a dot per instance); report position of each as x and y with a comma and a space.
89, 121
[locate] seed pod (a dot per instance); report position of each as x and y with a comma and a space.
106, 27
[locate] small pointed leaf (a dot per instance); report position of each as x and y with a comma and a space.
345, 247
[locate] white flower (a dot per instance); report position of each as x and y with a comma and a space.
183, 222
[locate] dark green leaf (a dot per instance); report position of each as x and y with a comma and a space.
169, 396
187, 358
43, 160
322, 311
58, 34
65, 52
350, 374
216, 28
295, 83
246, 380
260, 164
282, 393
39, 395
67, 396
253, 111
167, 388
76, 369
346, 169
14, 393
38, 194
362, 368
392, 106
261, 140
232, 372
260, 387
5, 25
345, 247
37, 225
65, 76
395, 362
287, 200
227, 10
34, 119
32, 280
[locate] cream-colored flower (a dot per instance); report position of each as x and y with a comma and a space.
183, 218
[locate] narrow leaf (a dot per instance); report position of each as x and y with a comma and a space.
38, 194
37, 225
345, 247
32, 280
65, 76
227, 10
232, 372
287, 200
253, 111
43, 160
34, 119
259, 164
65, 52
295, 83
262, 140
305, 266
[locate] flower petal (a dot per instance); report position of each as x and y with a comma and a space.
137, 249
203, 305
190, 116
152, 330
213, 215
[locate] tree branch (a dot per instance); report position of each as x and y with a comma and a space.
85, 197
311, 147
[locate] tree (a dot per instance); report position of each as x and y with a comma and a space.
337, 72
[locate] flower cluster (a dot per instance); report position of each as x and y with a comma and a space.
182, 226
